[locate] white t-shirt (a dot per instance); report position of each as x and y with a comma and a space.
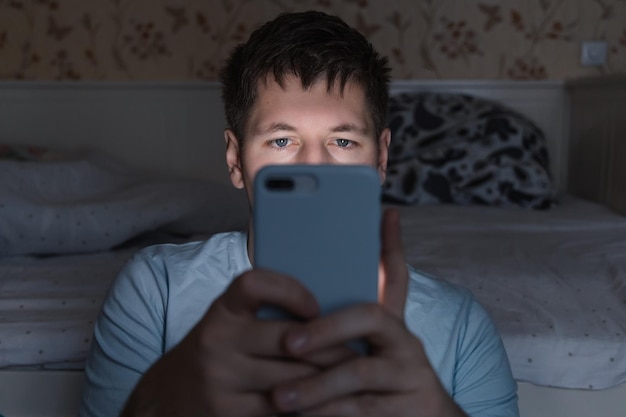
165, 289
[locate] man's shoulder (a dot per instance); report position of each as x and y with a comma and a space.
428, 293
441, 310
218, 246
218, 258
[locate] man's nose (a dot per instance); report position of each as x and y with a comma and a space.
314, 155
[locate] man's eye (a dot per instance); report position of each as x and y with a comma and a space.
280, 143
344, 143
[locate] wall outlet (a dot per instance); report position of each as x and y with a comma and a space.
593, 53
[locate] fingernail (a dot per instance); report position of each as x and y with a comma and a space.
297, 340
286, 398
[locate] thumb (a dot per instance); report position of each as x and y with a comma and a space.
393, 272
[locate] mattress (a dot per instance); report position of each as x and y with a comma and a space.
48, 306
68, 224
553, 281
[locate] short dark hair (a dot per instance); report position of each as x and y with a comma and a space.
309, 45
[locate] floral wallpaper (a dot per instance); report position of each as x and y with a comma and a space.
188, 39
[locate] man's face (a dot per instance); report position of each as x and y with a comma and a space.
291, 125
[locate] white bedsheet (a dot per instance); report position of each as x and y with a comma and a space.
95, 203
48, 306
85, 205
553, 281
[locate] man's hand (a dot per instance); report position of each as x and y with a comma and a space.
396, 379
230, 361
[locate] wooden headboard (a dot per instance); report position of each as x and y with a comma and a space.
177, 128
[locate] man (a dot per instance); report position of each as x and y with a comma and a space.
177, 334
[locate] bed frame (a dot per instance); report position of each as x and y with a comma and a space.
181, 124
177, 129
598, 140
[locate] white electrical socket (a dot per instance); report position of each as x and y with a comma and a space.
593, 53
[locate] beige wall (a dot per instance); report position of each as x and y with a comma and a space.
188, 39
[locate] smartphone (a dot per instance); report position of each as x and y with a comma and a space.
319, 224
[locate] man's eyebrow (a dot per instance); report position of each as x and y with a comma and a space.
276, 127
350, 127
281, 126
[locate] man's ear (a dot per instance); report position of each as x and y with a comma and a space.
383, 152
233, 158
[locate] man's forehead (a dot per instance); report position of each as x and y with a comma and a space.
269, 93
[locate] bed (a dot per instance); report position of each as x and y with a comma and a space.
553, 280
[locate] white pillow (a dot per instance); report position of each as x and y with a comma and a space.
95, 203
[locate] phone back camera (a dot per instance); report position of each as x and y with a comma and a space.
280, 184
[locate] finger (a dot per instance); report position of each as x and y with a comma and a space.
221, 334
266, 339
394, 272
265, 374
345, 407
248, 405
350, 378
371, 322
354, 405
255, 288
329, 357
260, 338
